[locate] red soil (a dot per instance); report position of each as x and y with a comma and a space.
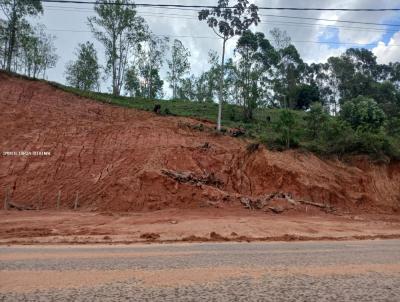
173, 225
114, 158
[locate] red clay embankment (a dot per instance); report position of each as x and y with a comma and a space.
114, 158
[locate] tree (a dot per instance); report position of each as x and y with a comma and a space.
119, 29
226, 23
15, 11
143, 76
387, 95
3, 43
136, 86
393, 73
288, 70
363, 114
280, 38
256, 56
84, 72
178, 65
303, 95
150, 59
318, 76
186, 89
353, 74
286, 128
25, 44
132, 82
203, 87
36, 51
316, 119
393, 127
156, 87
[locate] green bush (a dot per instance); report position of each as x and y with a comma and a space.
286, 129
337, 137
315, 120
393, 127
363, 114
370, 143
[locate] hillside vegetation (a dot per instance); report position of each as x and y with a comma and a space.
281, 129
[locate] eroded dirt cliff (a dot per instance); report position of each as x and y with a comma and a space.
116, 159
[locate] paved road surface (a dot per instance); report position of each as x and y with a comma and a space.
306, 271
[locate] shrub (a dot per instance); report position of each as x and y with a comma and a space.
167, 111
337, 137
370, 143
303, 95
286, 129
315, 119
393, 127
363, 114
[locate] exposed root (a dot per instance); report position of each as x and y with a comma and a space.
188, 177
261, 203
13, 205
327, 208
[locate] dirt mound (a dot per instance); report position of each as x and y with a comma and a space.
117, 159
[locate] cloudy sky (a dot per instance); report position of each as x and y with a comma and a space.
315, 40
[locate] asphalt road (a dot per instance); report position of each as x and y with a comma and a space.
306, 271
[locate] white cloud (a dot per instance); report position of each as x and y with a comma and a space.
187, 25
388, 52
319, 53
356, 37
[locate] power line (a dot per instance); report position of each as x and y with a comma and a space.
211, 7
62, 8
286, 23
216, 38
332, 20
303, 24
290, 23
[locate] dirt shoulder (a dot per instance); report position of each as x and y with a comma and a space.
177, 225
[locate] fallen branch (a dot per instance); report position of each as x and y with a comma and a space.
286, 196
276, 210
247, 202
188, 177
260, 203
318, 205
19, 207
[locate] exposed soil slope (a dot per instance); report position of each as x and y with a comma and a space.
116, 159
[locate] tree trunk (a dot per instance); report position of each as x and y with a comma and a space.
221, 86
11, 43
114, 63
173, 79
149, 83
